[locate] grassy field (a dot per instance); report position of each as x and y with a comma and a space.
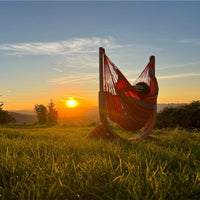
57, 163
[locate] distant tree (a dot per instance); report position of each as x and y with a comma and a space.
52, 113
41, 112
5, 116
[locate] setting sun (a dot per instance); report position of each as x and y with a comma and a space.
71, 103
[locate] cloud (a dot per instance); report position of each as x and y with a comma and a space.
179, 76
79, 78
57, 69
67, 97
195, 41
71, 46
81, 61
181, 65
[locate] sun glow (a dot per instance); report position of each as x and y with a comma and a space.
71, 103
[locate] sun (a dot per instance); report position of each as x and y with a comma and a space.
71, 103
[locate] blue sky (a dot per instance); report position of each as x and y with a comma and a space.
50, 49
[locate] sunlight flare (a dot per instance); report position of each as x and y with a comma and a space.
71, 103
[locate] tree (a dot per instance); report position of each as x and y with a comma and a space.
52, 113
41, 112
5, 116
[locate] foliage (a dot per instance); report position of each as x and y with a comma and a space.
5, 116
185, 116
52, 113
1, 105
47, 114
38, 162
41, 111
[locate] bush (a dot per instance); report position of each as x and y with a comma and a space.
6, 118
185, 116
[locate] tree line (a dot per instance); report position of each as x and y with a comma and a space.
45, 115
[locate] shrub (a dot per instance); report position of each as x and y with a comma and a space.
5, 116
185, 116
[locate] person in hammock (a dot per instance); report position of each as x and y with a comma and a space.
141, 88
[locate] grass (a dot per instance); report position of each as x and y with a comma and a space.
38, 162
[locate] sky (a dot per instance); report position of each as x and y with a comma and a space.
49, 50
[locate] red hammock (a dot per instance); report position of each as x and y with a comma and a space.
124, 105
122, 102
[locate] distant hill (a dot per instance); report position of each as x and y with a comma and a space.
24, 118
160, 107
26, 112
90, 115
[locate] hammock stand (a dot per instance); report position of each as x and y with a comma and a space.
143, 112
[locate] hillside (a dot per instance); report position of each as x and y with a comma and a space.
24, 118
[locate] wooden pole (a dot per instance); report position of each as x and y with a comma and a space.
101, 62
153, 64
152, 71
102, 103
102, 98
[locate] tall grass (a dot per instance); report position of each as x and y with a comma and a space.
57, 163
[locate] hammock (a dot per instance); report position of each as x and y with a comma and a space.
126, 104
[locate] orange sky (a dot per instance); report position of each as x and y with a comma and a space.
170, 91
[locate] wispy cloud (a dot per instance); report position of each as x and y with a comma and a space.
80, 61
76, 77
195, 41
57, 69
71, 46
180, 65
179, 76
67, 97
